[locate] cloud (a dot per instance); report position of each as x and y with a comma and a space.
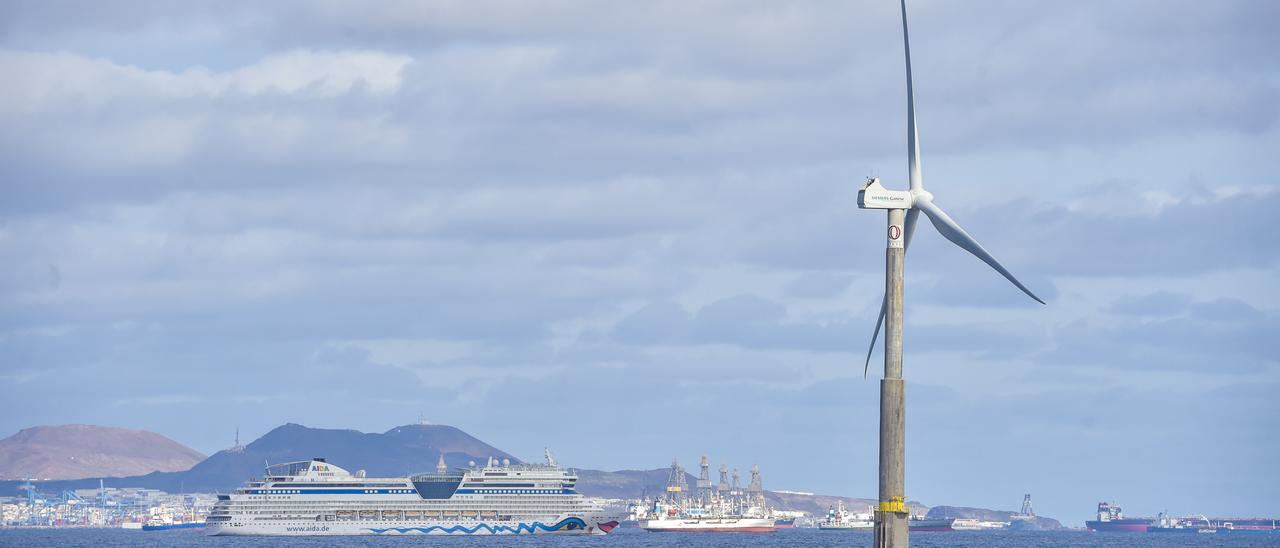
1160, 303
1174, 331
817, 285
748, 321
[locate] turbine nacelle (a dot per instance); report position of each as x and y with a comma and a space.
875, 196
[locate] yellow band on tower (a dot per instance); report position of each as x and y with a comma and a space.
896, 505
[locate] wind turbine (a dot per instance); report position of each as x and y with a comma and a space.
904, 208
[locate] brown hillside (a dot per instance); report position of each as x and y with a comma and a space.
82, 451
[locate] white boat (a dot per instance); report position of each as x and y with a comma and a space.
709, 524
317, 498
839, 519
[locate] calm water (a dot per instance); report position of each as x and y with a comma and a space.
636, 538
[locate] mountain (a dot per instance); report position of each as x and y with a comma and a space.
74, 451
625, 484
399, 451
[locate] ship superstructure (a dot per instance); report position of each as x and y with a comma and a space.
1111, 518
840, 519
315, 497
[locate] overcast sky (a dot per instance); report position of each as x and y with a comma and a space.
629, 232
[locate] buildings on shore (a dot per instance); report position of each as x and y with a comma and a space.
102, 507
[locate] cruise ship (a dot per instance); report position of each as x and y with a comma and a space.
315, 497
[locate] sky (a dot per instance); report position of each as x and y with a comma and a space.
629, 232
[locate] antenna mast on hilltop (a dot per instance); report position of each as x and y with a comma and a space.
237, 448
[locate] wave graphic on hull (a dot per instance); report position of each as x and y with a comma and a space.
564, 524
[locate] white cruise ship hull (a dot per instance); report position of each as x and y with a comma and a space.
565, 525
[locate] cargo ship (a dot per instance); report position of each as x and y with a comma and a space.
1260, 525
1165, 523
723, 509
677, 524
315, 497
1111, 519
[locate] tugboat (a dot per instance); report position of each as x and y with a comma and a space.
1111, 519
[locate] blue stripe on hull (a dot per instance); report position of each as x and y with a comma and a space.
567, 524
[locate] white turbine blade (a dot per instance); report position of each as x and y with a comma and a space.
952, 231
884, 305
908, 228
913, 135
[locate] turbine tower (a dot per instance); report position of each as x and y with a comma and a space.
904, 207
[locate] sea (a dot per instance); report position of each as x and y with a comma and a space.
627, 538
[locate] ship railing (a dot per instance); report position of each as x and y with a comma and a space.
436, 477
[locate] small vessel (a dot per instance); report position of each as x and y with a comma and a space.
159, 525
784, 523
839, 519
1111, 519
917, 523
315, 497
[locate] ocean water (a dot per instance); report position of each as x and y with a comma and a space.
627, 538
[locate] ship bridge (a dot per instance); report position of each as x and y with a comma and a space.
313, 470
